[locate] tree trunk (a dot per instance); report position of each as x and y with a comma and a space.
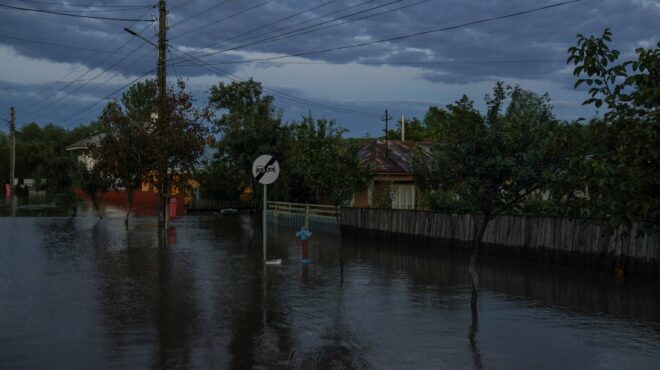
95, 203
129, 202
481, 222
472, 336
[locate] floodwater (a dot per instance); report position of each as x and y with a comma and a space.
84, 293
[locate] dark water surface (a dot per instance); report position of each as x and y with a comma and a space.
83, 293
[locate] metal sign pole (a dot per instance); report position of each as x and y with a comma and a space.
265, 225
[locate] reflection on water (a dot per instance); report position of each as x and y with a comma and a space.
88, 293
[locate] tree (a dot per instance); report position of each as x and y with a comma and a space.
93, 182
178, 141
126, 153
619, 165
249, 126
326, 164
415, 131
487, 165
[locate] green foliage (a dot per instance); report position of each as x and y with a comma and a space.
41, 155
617, 158
249, 126
92, 182
4, 160
126, 153
488, 164
220, 180
323, 164
416, 130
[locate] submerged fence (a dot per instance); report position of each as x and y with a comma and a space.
582, 236
319, 218
217, 205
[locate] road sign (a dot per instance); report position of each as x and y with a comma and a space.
266, 169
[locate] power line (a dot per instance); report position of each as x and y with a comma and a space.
425, 62
298, 32
57, 45
182, 5
222, 19
95, 10
74, 15
281, 20
43, 113
107, 97
85, 73
204, 11
396, 38
290, 26
88, 5
292, 97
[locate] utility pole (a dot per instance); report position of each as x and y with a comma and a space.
403, 129
386, 119
12, 162
162, 107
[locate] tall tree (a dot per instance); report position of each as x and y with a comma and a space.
487, 165
126, 152
249, 125
178, 142
620, 164
325, 163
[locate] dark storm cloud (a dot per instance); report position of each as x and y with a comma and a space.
530, 47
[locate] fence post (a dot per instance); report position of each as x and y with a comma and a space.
307, 215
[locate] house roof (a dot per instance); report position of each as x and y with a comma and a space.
398, 159
86, 143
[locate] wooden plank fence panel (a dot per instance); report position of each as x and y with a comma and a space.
562, 234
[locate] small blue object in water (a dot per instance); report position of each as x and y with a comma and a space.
304, 233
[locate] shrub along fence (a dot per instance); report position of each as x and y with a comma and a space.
565, 238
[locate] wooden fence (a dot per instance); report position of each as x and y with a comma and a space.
583, 236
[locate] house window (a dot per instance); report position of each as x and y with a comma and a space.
403, 196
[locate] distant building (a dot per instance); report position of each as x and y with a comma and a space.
393, 182
83, 147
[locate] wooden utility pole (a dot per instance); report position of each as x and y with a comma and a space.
387, 118
12, 161
164, 198
403, 129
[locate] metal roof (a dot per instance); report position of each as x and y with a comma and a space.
399, 158
85, 144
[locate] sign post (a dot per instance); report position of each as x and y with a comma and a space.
265, 170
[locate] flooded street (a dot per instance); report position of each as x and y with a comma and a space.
83, 293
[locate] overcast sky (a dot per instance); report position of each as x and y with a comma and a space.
94, 58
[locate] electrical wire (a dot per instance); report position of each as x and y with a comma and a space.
108, 96
292, 97
87, 5
404, 63
286, 27
281, 20
181, 5
92, 79
221, 19
96, 10
57, 45
307, 30
396, 38
74, 15
38, 108
204, 11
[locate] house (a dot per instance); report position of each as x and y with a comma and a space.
393, 182
83, 146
